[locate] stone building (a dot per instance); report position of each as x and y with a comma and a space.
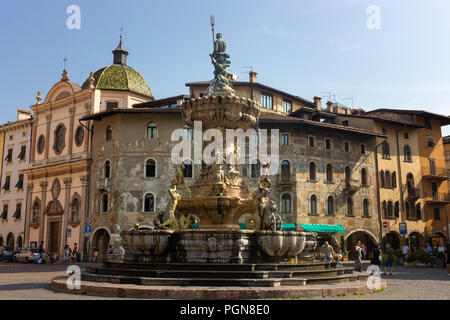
13, 195
57, 188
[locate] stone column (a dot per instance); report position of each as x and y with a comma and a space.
72, 119
43, 185
33, 138
65, 216
83, 214
47, 135
28, 215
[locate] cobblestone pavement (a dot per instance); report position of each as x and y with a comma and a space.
32, 282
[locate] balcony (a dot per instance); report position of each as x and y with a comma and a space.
437, 198
351, 186
436, 173
413, 194
104, 184
287, 180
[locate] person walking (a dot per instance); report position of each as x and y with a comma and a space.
429, 250
75, 252
376, 260
327, 252
389, 259
66, 254
41, 252
405, 251
358, 256
122, 251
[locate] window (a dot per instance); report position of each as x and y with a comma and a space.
390, 209
40, 144
284, 139
348, 175
383, 131
394, 180
19, 184
407, 153
150, 168
364, 177
388, 181
187, 172
346, 146
6, 186
23, 150
266, 101
437, 214
187, 132
408, 211
406, 135
428, 123
330, 205
384, 207
105, 202
149, 203
287, 106
366, 212
36, 210
327, 144
111, 105
8, 158
385, 152
434, 190
4, 214
152, 130
329, 173
286, 203
313, 204
255, 169
18, 210
430, 141
108, 134
285, 169
107, 169
311, 142
312, 171
432, 163
349, 206
11, 138
363, 149
382, 179
74, 210
79, 136
418, 212
59, 141
397, 209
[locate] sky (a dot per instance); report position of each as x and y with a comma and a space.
363, 53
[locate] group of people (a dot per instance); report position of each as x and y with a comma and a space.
68, 256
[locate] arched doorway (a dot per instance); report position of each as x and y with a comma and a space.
100, 242
393, 238
366, 238
415, 240
438, 239
10, 241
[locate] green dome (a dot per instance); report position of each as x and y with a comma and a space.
120, 77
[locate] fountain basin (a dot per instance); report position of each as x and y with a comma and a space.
280, 244
148, 245
310, 246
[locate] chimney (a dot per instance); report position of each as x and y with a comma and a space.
253, 76
23, 114
329, 106
318, 102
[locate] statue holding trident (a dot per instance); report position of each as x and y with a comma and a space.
221, 83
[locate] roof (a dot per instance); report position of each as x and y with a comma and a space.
378, 118
274, 118
258, 85
444, 119
100, 115
120, 77
161, 102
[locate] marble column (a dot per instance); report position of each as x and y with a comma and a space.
43, 185
28, 215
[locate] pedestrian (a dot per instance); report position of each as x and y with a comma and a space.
405, 251
66, 254
122, 251
358, 256
447, 257
376, 259
327, 252
94, 258
41, 252
75, 252
429, 249
389, 259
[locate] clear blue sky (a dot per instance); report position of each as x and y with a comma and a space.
299, 46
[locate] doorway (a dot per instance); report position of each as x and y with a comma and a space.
54, 238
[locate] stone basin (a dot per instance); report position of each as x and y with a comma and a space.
147, 245
280, 244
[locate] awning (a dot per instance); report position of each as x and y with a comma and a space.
322, 227
286, 226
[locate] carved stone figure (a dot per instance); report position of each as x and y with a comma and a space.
220, 61
167, 219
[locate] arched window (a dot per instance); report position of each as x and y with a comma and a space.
410, 181
385, 209
407, 153
397, 209
366, 212
386, 154
187, 172
107, 169
313, 204
312, 171
285, 169
286, 203
108, 133
329, 173
330, 205
388, 180
364, 177
74, 211
19, 242
394, 180
382, 178
36, 210
10, 240
348, 175
389, 209
150, 168
349, 206
105, 202
149, 203
152, 130
255, 169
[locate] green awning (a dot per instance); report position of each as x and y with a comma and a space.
286, 226
322, 227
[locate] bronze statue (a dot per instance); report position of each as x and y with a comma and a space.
219, 59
